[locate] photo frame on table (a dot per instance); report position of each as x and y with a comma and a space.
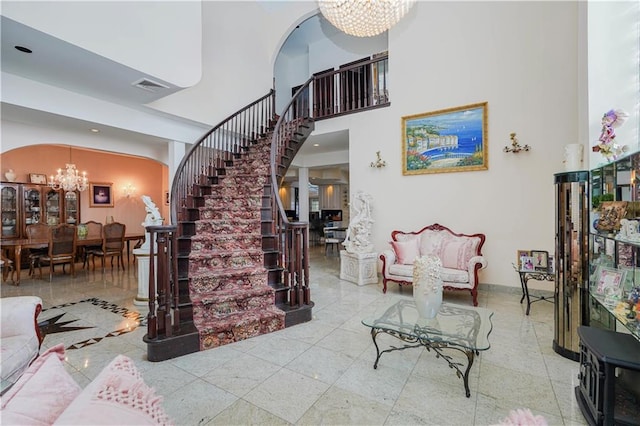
606, 277
38, 178
519, 255
541, 260
528, 264
552, 265
100, 194
447, 140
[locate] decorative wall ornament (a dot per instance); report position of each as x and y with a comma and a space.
364, 18
515, 145
379, 163
358, 239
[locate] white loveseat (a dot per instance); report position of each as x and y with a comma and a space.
460, 254
20, 336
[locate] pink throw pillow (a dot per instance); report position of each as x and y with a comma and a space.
42, 393
455, 253
406, 251
117, 394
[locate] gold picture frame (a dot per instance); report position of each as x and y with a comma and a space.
100, 194
38, 178
447, 140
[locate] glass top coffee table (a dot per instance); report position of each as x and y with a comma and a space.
462, 328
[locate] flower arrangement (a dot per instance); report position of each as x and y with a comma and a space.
607, 146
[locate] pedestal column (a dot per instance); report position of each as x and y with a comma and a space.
360, 268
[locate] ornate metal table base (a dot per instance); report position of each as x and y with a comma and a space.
525, 276
437, 348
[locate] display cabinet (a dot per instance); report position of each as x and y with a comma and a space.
32, 205
614, 253
571, 260
609, 378
25, 204
9, 194
71, 207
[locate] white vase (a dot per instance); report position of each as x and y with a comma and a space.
427, 286
573, 157
10, 175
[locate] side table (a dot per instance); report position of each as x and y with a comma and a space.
360, 268
525, 276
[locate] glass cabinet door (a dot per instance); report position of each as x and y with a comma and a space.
10, 218
53, 207
71, 208
32, 201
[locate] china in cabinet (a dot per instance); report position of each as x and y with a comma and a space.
609, 380
10, 212
24, 204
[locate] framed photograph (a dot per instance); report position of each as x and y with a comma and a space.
541, 260
552, 265
38, 178
606, 277
528, 263
519, 255
448, 140
100, 194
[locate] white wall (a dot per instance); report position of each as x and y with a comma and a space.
26, 135
523, 58
454, 54
614, 70
159, 38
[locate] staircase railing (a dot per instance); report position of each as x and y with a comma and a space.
227, 139
194, 176
293, 237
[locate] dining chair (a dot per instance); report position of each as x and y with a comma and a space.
112, 244
94, 230
37, 231
7, 267
62, 249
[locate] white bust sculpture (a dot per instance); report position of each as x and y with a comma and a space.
359, 231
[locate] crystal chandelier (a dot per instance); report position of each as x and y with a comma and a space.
69, 179
364, 18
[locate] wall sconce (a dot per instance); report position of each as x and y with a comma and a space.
379, 163
129, 190
515, 146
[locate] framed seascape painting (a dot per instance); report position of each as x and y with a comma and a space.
448, 140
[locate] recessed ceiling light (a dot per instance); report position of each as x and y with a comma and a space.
95, 130
316, 144
23, 49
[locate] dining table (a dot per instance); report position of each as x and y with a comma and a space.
17, 245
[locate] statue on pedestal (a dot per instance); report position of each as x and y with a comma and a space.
359, 231
153, 218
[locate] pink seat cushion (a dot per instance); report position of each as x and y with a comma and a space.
456, 252
406, 251
42, 393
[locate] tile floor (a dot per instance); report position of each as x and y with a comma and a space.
320, 372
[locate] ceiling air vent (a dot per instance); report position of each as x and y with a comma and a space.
149, 85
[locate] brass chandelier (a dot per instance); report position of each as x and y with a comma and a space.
364, 18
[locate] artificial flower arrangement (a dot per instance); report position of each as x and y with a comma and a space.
607, 146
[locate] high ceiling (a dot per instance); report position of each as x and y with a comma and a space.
57, 63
